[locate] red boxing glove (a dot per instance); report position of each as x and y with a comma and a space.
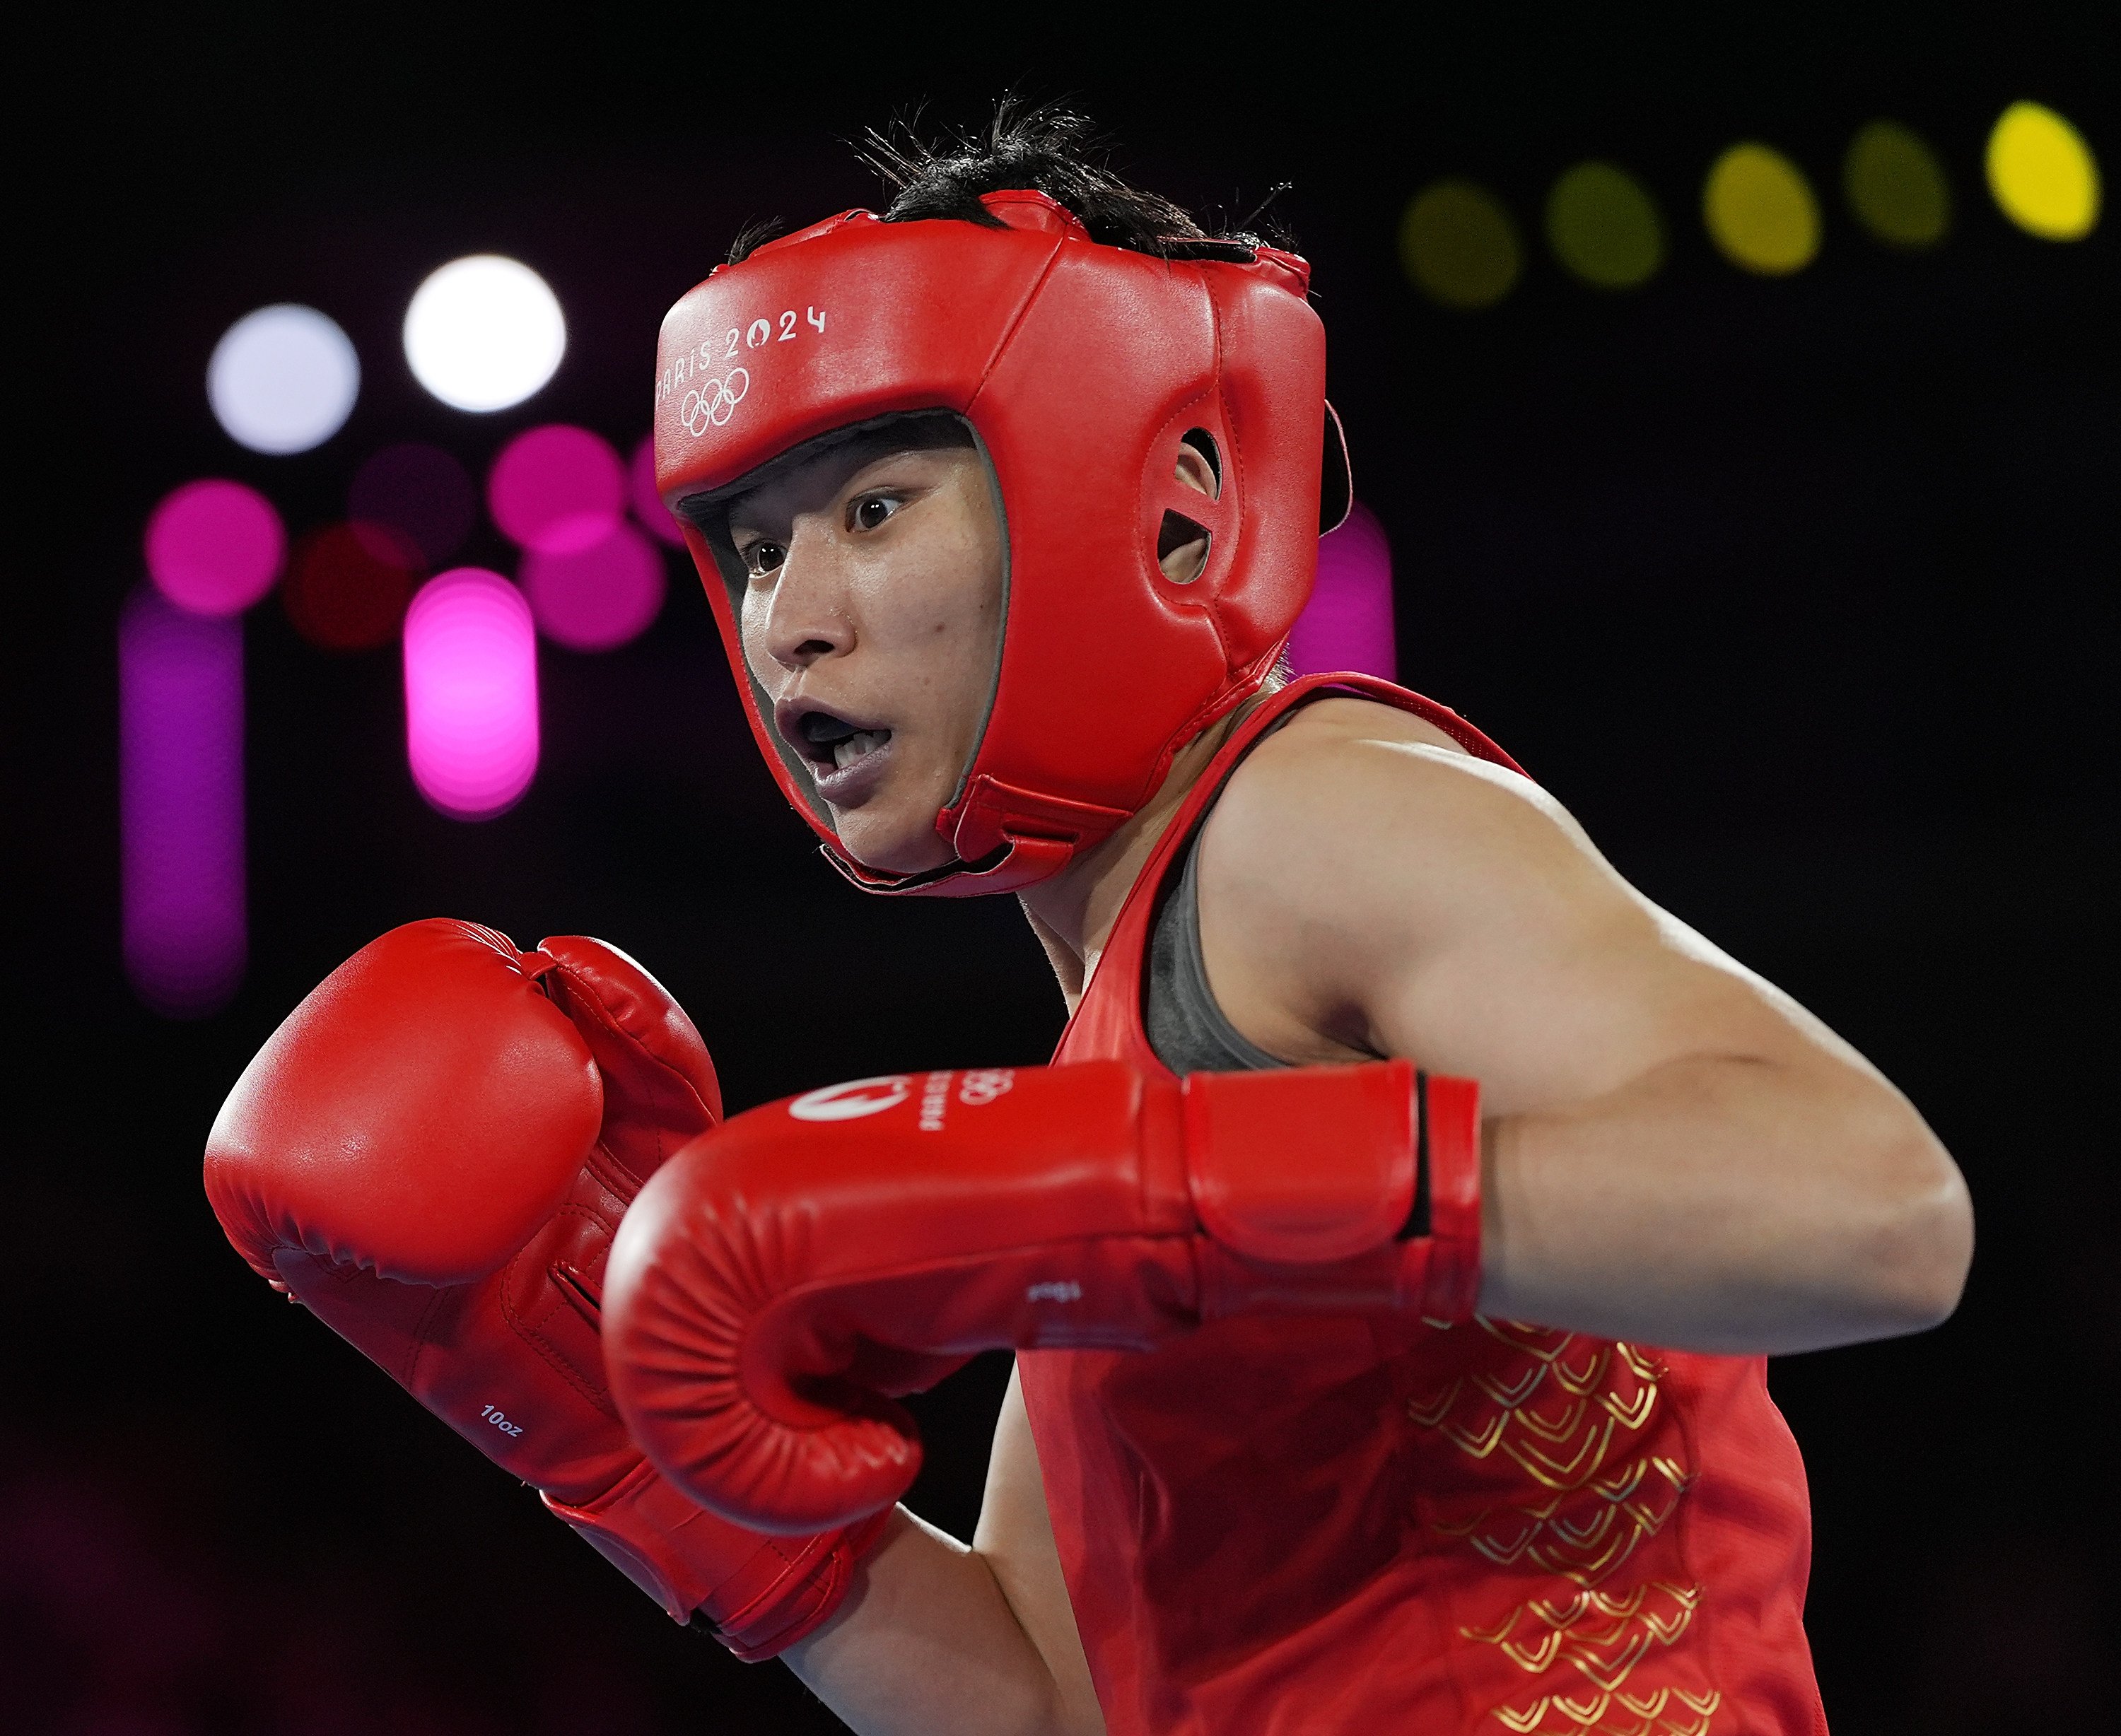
784, 1273
433, 1152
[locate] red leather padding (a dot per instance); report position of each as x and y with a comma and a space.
1303, 1166
431, 1154
649, 1054
780, 1280
324, 1146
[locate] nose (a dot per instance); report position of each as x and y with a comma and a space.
807, 617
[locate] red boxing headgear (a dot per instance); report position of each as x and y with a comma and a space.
1081, 369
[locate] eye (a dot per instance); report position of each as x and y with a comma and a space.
871, 511
763, 557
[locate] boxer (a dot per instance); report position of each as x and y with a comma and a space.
1393, 1248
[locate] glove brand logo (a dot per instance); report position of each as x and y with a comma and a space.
1055, 1290
713, 402
935, 1100
980, 1086
852, 1100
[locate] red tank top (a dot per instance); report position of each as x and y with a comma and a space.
1283, 1525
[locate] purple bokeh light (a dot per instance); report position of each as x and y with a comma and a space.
419, 491
215, 547
556, 489
1348, 623
180, 804
655, 518
471, 693
596, 598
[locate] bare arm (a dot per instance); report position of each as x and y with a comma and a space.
938, 1639
1675, 1151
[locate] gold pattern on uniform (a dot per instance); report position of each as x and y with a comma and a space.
1569, 1413
1564, 1462
1604, 1637
1669, 1712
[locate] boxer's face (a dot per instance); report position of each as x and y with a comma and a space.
872, 617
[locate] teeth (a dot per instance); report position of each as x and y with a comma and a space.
862, 742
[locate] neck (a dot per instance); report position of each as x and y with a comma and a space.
1074, 912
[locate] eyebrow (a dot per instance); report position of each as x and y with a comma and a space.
885, 453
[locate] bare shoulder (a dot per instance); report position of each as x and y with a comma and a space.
1342, 754
1353, 800
1360, 839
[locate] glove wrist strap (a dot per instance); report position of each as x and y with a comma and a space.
1342, 1188
759, 1595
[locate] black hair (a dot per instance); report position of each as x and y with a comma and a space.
1048, 149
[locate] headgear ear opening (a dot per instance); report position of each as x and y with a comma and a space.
1204, 443
1178, 529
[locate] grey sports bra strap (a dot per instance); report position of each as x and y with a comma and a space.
1184, 1027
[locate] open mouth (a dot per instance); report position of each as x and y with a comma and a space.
830, 742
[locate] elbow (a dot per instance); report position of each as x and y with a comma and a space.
1921, 1239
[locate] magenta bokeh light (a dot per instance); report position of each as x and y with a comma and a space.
648, 507
597, 597
556, 489
1347, 625
215, 547
180, 804
471, 693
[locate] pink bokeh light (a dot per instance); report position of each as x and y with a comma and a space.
596, 598
180, 804
1347, 625
215, 547
556, 489
655, 518
471, 693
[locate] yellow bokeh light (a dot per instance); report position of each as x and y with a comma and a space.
2043, 174
1896, 186
1603, 225
1760, 211
1460, 245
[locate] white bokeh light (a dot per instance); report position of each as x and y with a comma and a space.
484, 332
283, 379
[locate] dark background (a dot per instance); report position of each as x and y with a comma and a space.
1797, 592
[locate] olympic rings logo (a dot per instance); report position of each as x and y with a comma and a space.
985, 1084
713, 402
